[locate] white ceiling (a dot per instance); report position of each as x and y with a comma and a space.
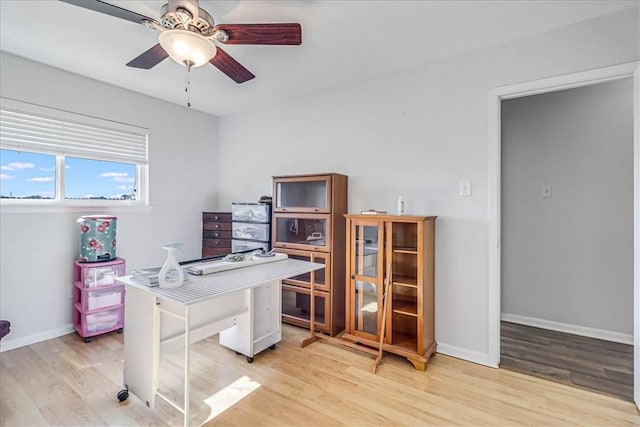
342, 42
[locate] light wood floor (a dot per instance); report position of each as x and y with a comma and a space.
65, 382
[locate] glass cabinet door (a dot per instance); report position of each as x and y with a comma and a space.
366, 307
317, 277
366, 259
302, 194
296, 307
302, 231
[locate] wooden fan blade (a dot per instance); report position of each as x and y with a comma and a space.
149, 59
274, 34
232, 68
109, 9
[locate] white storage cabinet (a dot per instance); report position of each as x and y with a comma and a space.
98, 301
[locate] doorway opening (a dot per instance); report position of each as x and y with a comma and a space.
567, 236
551, 85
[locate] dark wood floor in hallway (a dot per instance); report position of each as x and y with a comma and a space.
603, 366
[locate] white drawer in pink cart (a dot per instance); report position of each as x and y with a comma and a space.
103, 321
95, 299
94, 275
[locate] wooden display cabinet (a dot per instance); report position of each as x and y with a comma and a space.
309, 224
401, 248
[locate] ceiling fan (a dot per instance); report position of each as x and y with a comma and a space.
188, 33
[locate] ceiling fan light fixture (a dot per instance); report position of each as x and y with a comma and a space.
187, 48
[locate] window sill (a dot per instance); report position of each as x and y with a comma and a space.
10, 208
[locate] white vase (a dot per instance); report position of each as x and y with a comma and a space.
400, 206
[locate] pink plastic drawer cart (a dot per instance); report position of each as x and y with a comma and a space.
98, 301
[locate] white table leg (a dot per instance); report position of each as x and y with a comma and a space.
187, 357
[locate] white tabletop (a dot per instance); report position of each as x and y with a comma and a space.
200, 288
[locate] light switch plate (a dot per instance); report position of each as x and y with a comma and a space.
465, 188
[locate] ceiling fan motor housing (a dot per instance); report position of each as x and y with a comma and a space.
183, 19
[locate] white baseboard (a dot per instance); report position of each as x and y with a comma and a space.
465, 354
10, 344
570, 329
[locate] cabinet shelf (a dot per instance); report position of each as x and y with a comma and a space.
405, 250
408, 281
405, 307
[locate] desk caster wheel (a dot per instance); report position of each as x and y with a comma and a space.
123, 395
272, 347
120, 330
87, 340
249, 359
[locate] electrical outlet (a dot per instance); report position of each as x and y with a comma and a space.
546, 191
465, 188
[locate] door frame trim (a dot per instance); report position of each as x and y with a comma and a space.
553, 84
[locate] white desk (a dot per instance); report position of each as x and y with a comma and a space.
243, 305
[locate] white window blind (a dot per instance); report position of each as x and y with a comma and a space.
28, 127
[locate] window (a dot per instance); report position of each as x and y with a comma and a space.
50, 156
27, 175
97, 179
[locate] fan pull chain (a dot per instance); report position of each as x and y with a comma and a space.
188, 86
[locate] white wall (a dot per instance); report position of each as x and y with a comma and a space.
569, 258
37, 249
417, 134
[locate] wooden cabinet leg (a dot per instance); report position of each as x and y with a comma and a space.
420, 364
